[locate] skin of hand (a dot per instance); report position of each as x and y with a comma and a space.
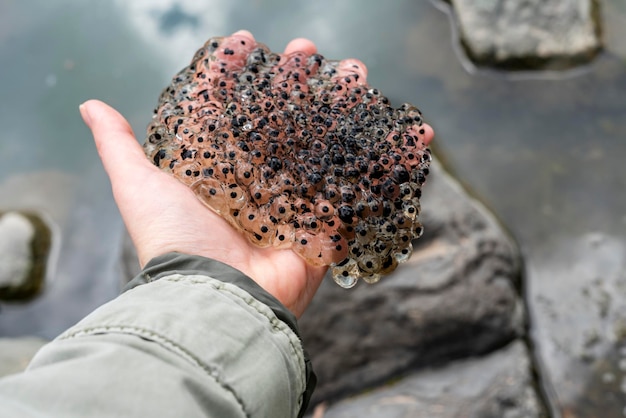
163, 215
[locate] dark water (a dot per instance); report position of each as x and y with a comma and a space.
546, 151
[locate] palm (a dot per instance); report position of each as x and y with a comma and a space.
186, 225
163, 215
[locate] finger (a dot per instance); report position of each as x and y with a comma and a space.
352, 66
428, 134
121, 154
244, 34
301, 45
349, 68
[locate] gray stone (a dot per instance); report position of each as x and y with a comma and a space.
529, 34
16, 353
16, 257
24, 247
455, 297
498, 385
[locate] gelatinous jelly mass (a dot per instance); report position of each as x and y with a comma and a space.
296, 151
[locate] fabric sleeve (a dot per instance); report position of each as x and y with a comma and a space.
192, 337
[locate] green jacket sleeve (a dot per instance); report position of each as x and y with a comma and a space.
191, 337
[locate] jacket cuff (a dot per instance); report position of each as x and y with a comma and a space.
184, 264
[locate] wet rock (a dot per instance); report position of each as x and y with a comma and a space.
529, 34
497, 385
16, 353
577, 300
24, 247
455, 297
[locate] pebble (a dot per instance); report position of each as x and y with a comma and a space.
16, 257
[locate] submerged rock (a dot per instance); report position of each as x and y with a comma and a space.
24, 247
296, 151
529, 34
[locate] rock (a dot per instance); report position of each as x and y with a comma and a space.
455, 297
529, 34
16, 258
497, 385
24, 247
16, 353
577, 298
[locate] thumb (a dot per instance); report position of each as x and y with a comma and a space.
121, 154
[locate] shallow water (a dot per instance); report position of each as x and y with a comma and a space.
545, 152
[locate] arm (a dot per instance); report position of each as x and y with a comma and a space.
192, 337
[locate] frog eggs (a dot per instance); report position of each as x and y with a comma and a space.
296, 151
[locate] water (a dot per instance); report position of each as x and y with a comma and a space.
545, 152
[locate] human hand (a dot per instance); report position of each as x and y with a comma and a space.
163, 215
